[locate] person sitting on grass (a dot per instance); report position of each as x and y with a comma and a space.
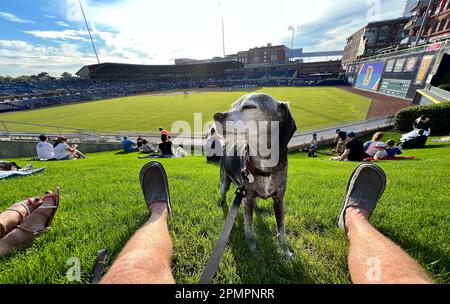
165, 147
145, 147
391, 149
354, 150
339, 142
414, 141
24, 221
62, 151
312, 146
369, 147
180, 152
147, 257
128, 145
44, 149
139, 142
381, 151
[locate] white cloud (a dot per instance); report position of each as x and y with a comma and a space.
78, 35
19, 57
14, 18
61, 23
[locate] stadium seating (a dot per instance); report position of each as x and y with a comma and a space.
22, 95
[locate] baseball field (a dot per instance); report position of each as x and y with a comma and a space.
311, 107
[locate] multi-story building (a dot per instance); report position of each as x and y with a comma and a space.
430, 21
407, 12
277, 54
373, 37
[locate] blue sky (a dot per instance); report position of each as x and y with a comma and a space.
50, 35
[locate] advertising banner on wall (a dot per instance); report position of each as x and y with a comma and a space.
423, 69
410, 64
390, 65
399, 65
369, 76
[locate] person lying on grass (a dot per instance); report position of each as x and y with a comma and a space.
62, 151
147, 257
23, 222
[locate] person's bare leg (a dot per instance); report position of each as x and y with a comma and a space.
374, 259
146, 258
24, 234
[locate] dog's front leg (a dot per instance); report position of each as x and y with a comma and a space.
280, 215
250, 202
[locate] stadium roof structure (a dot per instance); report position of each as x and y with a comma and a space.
121, 71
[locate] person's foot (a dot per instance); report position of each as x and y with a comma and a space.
37, 223
366, 186
40, 220
155, 187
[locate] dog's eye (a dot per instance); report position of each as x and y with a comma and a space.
247, 107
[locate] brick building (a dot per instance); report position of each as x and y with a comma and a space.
429, 21
277, 54
373, 37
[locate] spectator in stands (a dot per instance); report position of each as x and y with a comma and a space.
339, 141
313, 146
62, 151
44, 149
391, 149
422, 123
354, 149
165, 132
128, 145
145, 147
180, 152
139, 141
370, 146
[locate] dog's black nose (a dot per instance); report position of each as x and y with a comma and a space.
220, 117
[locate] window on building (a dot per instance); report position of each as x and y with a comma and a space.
384, 33
371, 35
273, 56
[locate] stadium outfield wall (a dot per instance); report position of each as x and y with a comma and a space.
401, 73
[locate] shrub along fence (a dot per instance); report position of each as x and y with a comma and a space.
439, 115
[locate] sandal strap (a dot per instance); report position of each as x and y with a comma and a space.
20, 214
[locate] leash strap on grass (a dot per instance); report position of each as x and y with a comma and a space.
99, 267
213, 263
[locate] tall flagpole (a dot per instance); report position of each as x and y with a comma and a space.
89, 31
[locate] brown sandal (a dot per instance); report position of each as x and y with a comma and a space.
54, 196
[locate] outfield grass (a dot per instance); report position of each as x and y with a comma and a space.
311, 107
102, 205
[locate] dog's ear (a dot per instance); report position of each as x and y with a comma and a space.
287, 125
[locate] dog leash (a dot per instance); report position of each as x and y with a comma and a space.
213, 262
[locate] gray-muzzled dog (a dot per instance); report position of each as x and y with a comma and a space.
250, 169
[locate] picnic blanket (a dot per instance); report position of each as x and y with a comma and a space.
9, 174
442, 139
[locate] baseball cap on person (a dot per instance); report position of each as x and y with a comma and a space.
338, 130
351, 134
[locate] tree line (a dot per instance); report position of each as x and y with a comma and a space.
40, 76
